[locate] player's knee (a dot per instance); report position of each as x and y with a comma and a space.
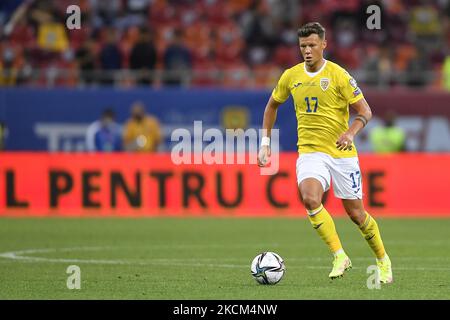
311, 201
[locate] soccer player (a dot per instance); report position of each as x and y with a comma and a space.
322, 92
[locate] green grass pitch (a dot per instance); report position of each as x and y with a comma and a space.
209, 258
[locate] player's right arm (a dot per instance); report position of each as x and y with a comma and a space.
279, 95
270, 115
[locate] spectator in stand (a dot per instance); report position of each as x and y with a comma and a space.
446, 73
104, 135
260, 33
388, 138
106, 12
258, 27
86, 61
136, 12
379, 68
50, 29
110, 57
425, 25
417, 70
143, 57
52, 36
177, 61
8, 72
141, 132
243, 34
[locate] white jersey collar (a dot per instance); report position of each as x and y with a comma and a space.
313, 74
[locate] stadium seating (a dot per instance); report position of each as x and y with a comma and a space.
257, 38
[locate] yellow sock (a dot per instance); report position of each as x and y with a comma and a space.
323, 223
369, 230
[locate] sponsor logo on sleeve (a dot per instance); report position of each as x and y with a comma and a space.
353, 83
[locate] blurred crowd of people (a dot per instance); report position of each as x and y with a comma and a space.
141, 132
233, 43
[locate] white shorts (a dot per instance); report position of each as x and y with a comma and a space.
344, 173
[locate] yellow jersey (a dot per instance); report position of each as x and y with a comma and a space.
321, 101
142, 135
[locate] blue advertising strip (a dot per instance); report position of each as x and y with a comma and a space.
56, 119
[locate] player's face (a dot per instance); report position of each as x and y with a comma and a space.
312, 48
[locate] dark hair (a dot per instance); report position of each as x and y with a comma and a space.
311, 28
108, 113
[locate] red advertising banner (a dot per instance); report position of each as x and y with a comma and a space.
43, 184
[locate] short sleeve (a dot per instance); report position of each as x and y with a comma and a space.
281, 91
349, 88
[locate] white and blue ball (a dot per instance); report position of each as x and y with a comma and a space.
268, 268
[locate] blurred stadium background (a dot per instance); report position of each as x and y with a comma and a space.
197, 45
212, 61
233, 44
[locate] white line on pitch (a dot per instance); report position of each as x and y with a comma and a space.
19, 256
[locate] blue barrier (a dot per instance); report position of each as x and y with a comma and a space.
56, 119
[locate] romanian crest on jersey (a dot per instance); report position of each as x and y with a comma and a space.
324, 83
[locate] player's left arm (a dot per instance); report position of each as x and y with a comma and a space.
364, 115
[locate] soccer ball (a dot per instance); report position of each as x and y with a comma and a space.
268, 268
